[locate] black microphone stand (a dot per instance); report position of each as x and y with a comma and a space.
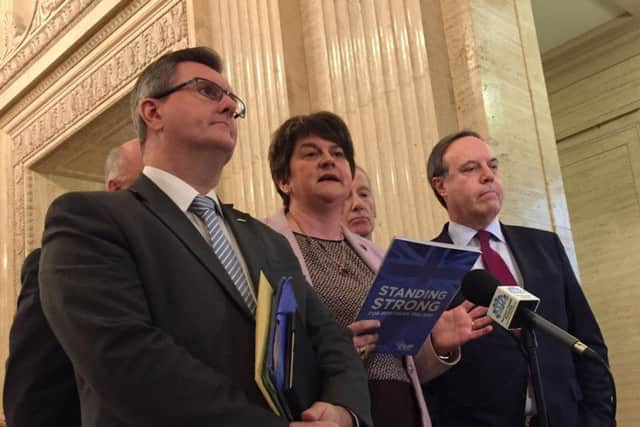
531, 346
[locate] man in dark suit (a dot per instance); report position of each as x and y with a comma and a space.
40, 387
151, 291
491, 386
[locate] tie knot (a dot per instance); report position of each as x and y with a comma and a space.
484, 236
202, 205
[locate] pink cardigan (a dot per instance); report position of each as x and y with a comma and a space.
426, 365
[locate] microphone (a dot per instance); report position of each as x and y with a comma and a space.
513, 307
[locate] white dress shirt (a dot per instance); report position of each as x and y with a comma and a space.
465, 236
182, 194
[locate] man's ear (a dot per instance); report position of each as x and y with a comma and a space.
438, 183
149, 110
113, 185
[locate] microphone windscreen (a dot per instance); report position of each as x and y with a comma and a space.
478, 286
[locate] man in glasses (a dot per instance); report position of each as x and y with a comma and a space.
152, 291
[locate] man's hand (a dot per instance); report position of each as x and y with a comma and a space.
323, 414
460, 325
364, 343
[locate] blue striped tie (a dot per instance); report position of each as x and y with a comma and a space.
206, 210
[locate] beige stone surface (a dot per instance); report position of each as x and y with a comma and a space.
248, 35
601, 168
594, 90
595, 79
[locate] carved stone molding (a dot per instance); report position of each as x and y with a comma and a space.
167, 32
161, 34
100, 36
18, 215
50, 18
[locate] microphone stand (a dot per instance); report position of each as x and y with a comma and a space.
531, 345
533, 322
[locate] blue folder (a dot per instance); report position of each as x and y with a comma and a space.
284, 303
291, 361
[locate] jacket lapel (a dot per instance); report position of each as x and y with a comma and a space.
249, 241
163, 208
444, 237
252, 245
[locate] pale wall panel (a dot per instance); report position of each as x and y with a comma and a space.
598, 98
367, 61
593, 52
601, 169
595, 78
594, 85
247, 34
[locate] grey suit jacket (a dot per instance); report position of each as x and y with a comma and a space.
157, 333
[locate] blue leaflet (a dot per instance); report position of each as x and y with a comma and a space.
414, 286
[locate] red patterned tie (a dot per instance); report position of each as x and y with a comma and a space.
493, 262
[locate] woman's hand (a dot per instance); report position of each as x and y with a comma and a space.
460, 325
364, 342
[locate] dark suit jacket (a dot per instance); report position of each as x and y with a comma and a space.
39, 386
487, 388
157, 332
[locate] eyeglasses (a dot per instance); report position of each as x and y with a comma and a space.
211, 90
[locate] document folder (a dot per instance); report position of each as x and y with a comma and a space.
287, 371
303, 385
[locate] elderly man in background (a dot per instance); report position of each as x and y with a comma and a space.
123, 165
40, 388
359, 211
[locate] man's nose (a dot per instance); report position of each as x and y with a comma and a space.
227, 105
488, 175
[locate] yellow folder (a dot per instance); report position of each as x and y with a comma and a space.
263, 325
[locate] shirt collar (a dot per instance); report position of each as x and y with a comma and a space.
177, 189
462, 235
